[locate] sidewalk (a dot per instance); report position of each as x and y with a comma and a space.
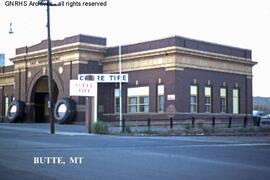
75, 129
70, 129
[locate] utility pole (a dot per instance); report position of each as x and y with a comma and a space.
120, 87
50, 75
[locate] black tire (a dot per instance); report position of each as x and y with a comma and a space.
18, 115
68, 116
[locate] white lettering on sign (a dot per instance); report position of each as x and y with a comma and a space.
105, 78
82, 88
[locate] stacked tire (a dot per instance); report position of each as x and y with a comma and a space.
16, 111
65, 110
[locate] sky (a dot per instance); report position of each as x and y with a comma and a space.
240, 23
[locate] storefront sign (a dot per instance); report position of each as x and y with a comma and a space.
105, 78
82, 88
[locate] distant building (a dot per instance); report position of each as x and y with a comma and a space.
2, 59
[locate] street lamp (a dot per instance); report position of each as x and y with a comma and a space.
10, 29
50, 79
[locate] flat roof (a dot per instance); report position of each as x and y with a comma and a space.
177, 41
183, 42
68, 40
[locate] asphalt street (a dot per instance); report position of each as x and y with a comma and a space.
28, 151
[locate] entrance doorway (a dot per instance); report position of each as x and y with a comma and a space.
41, 98
41, 109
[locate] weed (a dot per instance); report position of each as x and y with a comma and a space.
100, 127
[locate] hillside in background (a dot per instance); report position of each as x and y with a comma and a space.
261, 104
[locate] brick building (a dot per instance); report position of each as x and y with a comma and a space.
174, 76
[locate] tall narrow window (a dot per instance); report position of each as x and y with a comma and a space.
160, 98
208, 99
223, 100
193, 98
6, 105
138, 99
116, 100
236, 101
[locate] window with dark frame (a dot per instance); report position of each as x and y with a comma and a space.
193, 98
138, 99
208, 99
116, 100
223, 100
160, 98
143, 104
6, 102
236, 101
133, 104
138, 104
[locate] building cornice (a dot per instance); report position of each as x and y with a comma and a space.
179, 58
71, 52
215, 56
7, 79
174, 49
60, 50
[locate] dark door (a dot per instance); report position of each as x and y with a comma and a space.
41, 107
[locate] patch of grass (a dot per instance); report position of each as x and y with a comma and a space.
100, 127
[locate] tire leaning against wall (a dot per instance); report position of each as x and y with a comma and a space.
70, 113
18, 114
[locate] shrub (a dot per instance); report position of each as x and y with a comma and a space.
5, 120
127, 129
187, 126
208, 131
147, 131
100, 127
200, 124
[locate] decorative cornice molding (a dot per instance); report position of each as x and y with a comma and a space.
60, 50
179, 58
